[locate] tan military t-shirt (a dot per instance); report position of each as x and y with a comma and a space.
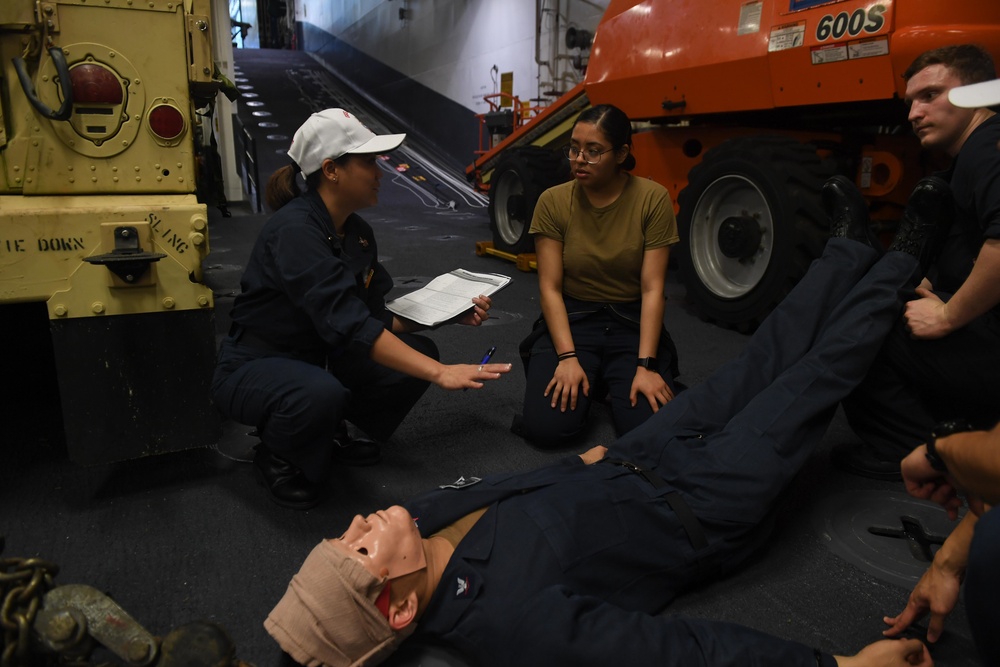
603, 247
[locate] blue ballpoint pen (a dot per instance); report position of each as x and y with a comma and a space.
485, 360
487, 356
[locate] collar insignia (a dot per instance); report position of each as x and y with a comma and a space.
461, 483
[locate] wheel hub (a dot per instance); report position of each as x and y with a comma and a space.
739, 237
515, 207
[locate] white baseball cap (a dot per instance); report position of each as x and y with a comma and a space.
331, 133
976, 95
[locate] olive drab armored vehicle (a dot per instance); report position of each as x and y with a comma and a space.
743, 110
100, 228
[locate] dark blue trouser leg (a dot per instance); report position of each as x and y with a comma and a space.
542, 424
745, 465
916, 383
381, 397
982, 585
781, 340
607, 350
762, 413
621, 350
295, 404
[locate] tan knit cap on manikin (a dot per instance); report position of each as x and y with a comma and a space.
328, 618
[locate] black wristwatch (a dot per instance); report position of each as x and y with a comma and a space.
649, 363
940, 431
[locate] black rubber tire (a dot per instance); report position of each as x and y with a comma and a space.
774, 182
515, 185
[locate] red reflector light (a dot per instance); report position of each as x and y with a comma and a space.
93, 84
166, 121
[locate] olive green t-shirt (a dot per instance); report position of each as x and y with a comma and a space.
603, 247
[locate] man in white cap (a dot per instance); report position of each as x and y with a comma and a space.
948, 466
312, 342
942, 359
571, 563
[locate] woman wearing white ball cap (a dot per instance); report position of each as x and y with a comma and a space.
312, 343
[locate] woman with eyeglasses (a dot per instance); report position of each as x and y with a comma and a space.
602, 244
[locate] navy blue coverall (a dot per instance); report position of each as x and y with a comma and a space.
297, 361
571, 563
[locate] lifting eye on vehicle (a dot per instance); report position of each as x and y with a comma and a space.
127, 260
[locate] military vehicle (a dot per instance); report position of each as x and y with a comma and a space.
102, 236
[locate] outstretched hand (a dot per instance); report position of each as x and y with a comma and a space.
889, 653
470, 376
937, 593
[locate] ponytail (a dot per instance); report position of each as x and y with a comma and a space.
629, 163
281, 187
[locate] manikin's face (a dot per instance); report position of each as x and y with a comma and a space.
936, 121
386, 543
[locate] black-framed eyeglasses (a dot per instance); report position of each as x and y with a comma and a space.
590, 155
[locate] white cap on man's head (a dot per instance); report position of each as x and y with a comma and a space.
976, 95
331, 133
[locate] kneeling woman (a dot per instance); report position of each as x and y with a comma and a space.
602, 243
312, 343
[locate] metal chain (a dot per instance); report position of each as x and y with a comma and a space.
23, 585
23, 582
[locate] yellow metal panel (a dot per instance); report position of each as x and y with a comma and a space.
200, 57
15, 13
170, 6
145, 47
506, 86
44, 240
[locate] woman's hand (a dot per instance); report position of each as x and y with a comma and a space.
479, 313
469, 376
651, 385
566, 384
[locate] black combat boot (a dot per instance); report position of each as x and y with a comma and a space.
285, 482
848, 212
926, 220
355, 449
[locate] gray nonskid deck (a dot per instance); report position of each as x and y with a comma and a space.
190, 536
